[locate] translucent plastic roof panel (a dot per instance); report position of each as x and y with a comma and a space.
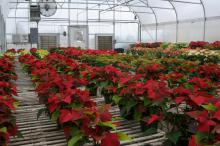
146, 11
212, 7
159, 3
182, 9
165, 15
189, 11
193, 1
4, 6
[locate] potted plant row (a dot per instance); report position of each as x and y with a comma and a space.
8, 104
57, 82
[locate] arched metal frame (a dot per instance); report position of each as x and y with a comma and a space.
146, 4
205, 18
155, 16
139, 22
177, 18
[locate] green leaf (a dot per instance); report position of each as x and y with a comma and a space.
123, 137
210, 107
116, 99
117, 118
129, 105
16, 104
104, 84
188, 86
200, 136
150, 130
4, 130
108, 124
70, 73
55, 115
174, 136
73, 141
20, 135
75, 130
40, 112
146, 102
137, 115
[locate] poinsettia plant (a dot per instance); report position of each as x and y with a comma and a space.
215, 45
56, 78
161, 89
8, 104
198, 44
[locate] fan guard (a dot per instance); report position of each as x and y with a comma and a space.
47, 7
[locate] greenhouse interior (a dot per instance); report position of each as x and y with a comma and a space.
109, 73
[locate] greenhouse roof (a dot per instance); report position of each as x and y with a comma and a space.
146, 13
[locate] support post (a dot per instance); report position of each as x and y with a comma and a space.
87, 23
204, 23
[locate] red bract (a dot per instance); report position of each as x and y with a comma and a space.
217, 115
211, 71
110, 139
137, 88
179, 99
153, 118
7, 102
156, 89
69, 116
11, 51
192, 141
199, 100
6, 69
57, 80
33, 50
76, 53
216, 45
105, 116
7, 89
151, 71
198, 44
174, 76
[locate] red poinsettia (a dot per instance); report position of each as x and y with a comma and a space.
151, 71
55, 79
156, 89
198, 44
111, 139
7, 102
153, 118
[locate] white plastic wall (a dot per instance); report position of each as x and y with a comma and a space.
190, 15
4, 6
191, 26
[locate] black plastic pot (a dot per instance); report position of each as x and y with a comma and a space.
127, 116
181, 142
145, 127
108, 100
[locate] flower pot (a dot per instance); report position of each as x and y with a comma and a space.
107, 97
145, 127
43, 98
127, 116
108, 100
181, 142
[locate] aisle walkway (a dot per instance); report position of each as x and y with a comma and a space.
43, 132
40, 132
